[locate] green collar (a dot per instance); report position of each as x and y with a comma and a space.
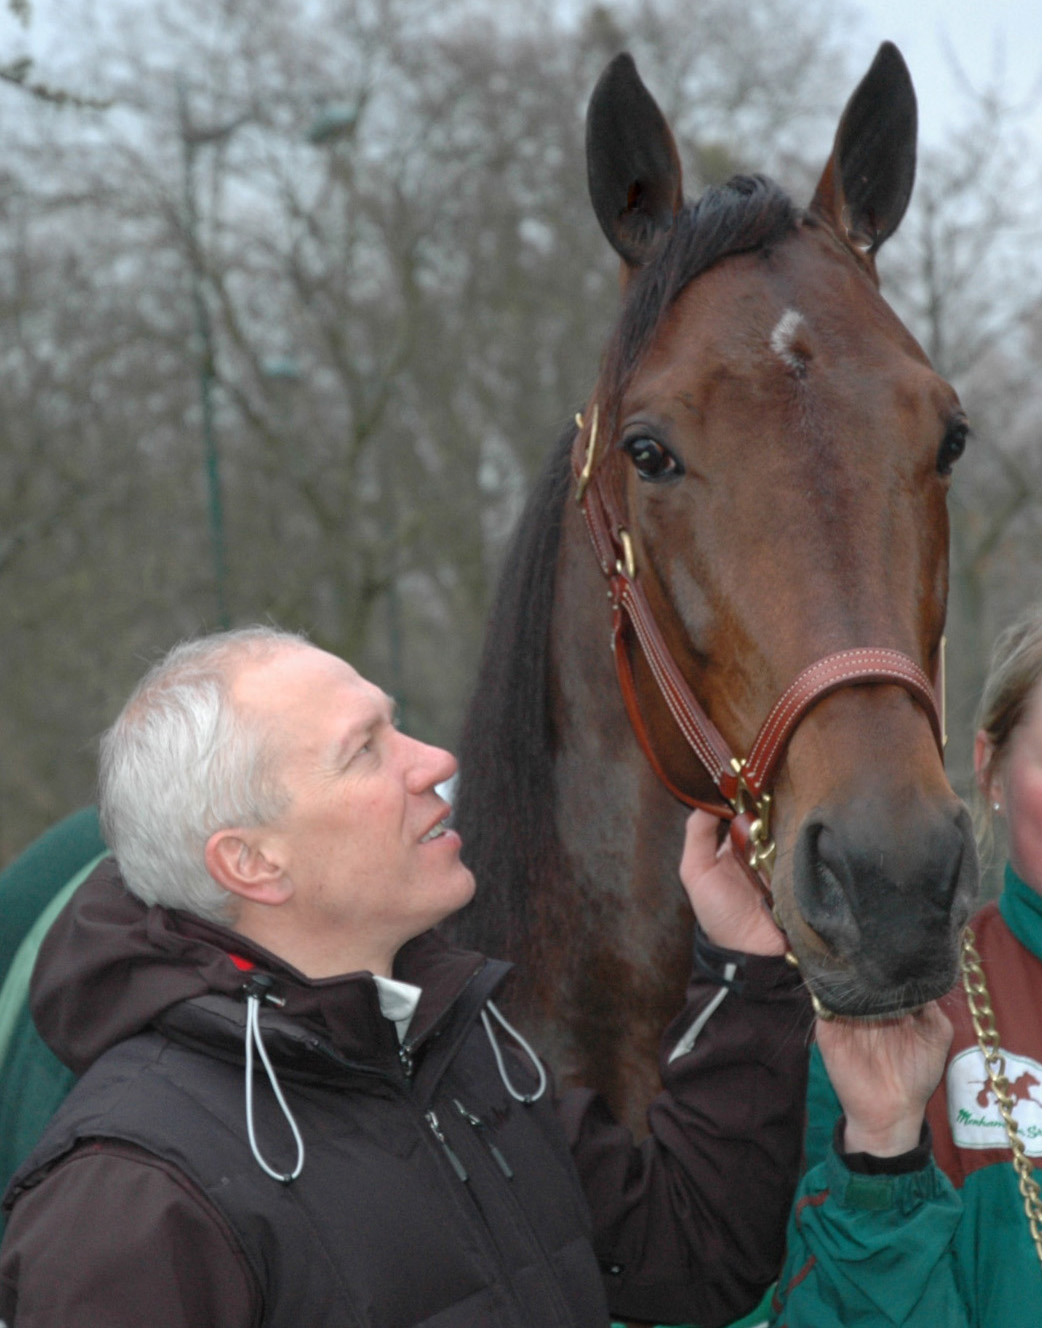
1022, 909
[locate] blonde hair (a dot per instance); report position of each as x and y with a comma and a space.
1013, 675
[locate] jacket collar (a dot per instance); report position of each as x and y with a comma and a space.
111, 966
1021, 907
345, 1010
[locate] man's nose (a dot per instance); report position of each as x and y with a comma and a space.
430, 766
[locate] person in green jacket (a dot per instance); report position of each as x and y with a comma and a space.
945, 1228
33, 889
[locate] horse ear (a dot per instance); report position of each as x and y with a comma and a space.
632, 163
867, 182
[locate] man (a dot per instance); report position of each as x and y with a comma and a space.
283, 856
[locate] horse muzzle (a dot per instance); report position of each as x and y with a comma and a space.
875, 904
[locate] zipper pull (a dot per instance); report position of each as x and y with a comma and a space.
405, 1057
482, 1131
457, 1165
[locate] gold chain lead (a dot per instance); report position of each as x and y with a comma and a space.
983, 1018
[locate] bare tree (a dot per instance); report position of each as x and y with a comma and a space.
966, 276
287, 330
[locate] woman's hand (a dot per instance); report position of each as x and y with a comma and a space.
729, 907
884, 1073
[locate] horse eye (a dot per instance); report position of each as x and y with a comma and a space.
952, 446
652, 460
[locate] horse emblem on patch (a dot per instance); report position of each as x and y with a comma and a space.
973, 1110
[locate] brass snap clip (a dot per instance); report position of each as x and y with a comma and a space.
591, 449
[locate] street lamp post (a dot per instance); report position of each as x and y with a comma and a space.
192, 139
334, 123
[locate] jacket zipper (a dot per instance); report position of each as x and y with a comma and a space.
450, 1153
499, 1273
481, 1130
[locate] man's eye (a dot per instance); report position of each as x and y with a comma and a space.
651, 460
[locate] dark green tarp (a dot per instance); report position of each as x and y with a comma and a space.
33, 889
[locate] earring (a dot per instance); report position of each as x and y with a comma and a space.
996, 807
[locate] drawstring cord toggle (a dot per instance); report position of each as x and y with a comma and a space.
490, 1033
260, 990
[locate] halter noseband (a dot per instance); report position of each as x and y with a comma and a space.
743, 785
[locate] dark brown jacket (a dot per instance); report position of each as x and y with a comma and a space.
429, 1197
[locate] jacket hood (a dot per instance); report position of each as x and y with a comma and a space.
112, 966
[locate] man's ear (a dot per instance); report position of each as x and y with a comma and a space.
240, 860
983, 765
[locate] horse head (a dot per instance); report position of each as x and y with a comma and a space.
779, 450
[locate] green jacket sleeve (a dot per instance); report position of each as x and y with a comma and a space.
871, 1250
823, 1110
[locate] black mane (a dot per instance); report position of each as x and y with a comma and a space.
504, 799
504, 806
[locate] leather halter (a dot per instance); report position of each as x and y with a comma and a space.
743, 785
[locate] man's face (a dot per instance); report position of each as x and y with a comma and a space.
362, 841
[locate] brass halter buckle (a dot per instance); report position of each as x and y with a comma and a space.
591, 451
627, 564
762, 848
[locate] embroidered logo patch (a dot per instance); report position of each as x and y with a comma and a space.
973, 1111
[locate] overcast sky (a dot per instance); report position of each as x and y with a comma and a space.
987, 37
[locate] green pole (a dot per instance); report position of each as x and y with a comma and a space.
207, 371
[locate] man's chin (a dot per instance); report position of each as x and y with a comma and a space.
460, 893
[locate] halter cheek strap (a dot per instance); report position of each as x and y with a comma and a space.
743, 785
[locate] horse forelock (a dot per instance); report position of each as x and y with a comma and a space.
504, 803
748, 213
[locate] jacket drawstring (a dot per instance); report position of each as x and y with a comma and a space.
255, 994
526, 1098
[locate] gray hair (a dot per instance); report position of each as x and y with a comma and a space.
181, 762
1013, 675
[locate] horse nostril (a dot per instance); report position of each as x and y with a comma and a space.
956, 855
821, 883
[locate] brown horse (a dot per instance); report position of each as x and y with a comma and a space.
778, 449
